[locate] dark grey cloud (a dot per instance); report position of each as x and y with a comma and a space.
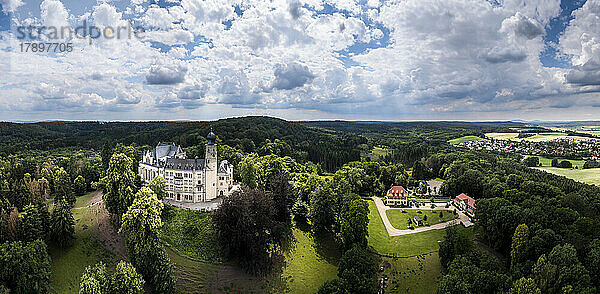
587, 74
166, 74
291, 75
527, 27
501, 55
294, 9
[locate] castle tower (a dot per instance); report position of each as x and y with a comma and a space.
211, 167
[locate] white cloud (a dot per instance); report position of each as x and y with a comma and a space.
10, 5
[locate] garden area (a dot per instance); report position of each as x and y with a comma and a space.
399, 217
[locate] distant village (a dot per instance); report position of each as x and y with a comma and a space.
571, 148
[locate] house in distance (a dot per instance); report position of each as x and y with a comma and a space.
396, 196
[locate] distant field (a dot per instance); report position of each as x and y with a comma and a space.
400, 220
541, 137
464, 139
502, 136
588, 176
547, 162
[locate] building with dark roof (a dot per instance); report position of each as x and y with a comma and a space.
188, 179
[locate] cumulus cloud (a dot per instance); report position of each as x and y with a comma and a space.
10, 5
291, 75
166, 74
500, 55
587, 74
410, 57
523, 26
54, 13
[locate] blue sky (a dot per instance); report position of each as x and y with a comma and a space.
310, 59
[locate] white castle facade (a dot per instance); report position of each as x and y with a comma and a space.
188, 180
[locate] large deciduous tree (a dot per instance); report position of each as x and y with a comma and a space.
118, 184
25, 267
358, 269
245, 222
355, 223
519, 249
141, 224
30, 224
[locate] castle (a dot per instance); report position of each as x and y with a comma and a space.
188, 180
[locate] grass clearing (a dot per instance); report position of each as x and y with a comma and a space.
589, 176
405, 245
191, 234
68, 264
399, 219
464, 139
419, 274
309, 263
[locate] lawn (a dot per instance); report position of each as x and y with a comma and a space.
192, 246
191, 234
588, 176
68, 264
464, 139
419, 274
309, 264
399, 219
406, 245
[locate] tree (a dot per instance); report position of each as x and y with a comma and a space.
525, 286
456, 241
142, 223
565, 164
80, 185
157, 185
354, 227
593, 261
95, 280
118, 184
245, 222
358, 270
420, 171
281, 192
554, 162
519, 248
126, 280
30, 224
531, 161
62, 186
441, 214
25, 267
336, 286
300, 210
321, 209
62, 224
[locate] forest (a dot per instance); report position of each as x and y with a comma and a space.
534, 232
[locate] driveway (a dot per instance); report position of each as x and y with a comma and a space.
382, 208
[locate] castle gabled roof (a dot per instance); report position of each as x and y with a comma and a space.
185, 164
